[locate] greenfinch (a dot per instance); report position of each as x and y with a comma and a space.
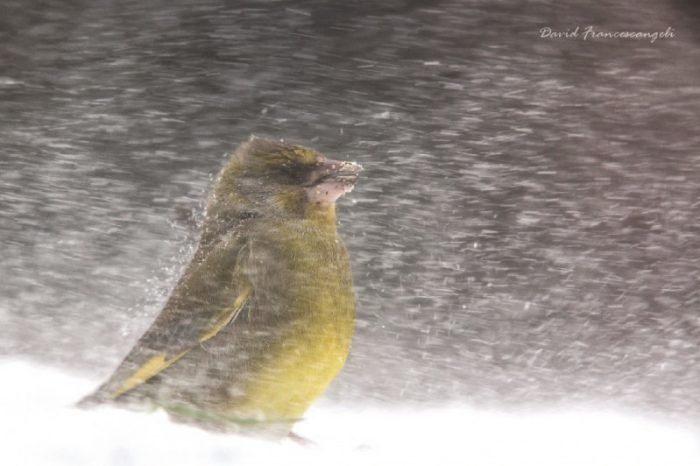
262, 318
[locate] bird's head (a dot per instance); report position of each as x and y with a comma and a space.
269, 175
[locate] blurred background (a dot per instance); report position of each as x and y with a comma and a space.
526, 231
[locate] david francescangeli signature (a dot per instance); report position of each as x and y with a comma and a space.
589, 33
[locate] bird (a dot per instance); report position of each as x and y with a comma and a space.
261, 320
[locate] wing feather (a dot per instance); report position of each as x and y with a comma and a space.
210, 295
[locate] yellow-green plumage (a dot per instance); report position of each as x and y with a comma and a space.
262, 319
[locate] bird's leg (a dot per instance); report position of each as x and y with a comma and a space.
303, 441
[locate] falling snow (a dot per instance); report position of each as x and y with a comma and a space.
525, 238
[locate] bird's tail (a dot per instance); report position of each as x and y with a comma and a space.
95, 398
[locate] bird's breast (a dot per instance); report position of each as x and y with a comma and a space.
304, 294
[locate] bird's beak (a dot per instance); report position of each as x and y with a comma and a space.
333, 179
339, 172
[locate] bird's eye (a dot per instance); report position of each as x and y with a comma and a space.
291, 171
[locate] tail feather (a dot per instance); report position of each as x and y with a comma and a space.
95, 398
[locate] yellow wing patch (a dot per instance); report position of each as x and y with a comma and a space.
227, 316
160, 362
152, 367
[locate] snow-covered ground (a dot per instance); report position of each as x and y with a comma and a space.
39, 427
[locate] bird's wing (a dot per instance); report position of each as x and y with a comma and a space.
209, 296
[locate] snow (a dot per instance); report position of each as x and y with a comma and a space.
40, 427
